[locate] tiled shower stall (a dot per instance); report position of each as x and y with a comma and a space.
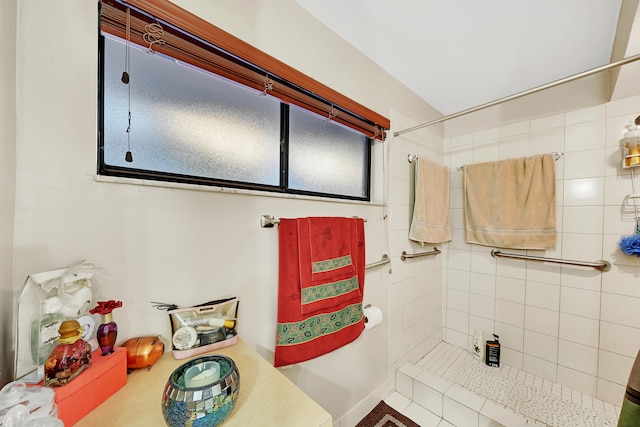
575, 326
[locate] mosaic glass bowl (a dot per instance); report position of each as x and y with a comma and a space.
207, 405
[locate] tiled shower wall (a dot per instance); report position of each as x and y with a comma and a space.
415, 285
572, 325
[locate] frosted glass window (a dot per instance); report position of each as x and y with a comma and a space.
187, 122
189, 125
326, 157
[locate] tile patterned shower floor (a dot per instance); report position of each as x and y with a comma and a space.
450, 376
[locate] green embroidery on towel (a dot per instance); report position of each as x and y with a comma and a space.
331, 264
328, 290
317, 326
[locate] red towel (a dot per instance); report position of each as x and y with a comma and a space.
328, 259
303, 336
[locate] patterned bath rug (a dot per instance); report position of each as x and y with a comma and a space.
384, 415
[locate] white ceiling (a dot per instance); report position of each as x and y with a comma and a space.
459, 54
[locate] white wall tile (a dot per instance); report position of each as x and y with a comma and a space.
621, 309
543, 295
585, 136
577, 380
613, 165
458, 321
541, 346
610, 392
585, 115
511, 357
620, 339
482, 136
625, 106
540, 367
483, 284
547, 141
617, 187
582, 278
614, 367
458, 279
541, 320
578, 357
481, 306
482, 262
485, 324
615, 223
458, 300
456, 218
486, 151
510, 313
459, 339
584, 164
513, 147
586, 247
520, 128
579, 329
456, 198
459, 259
510, 289
583, 191
511, 267
548, 122
616, 127
510, 336
580, 302
582, 219
542, 272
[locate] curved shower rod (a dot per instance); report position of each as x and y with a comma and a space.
523, 93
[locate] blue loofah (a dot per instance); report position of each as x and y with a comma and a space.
630, 245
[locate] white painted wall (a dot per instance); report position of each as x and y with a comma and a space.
7, 180
186, 246
572, 325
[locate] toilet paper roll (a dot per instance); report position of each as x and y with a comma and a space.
372, 317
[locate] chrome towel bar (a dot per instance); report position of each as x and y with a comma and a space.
405, 255
601, 265
269, 221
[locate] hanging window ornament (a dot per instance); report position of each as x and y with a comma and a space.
268, 85
153, 35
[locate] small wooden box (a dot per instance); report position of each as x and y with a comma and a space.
105, 376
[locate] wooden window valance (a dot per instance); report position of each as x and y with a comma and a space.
193, 40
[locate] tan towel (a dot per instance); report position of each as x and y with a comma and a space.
511, 203
430, 221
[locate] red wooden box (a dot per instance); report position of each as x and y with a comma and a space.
105, 376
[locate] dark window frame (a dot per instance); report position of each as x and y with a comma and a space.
131, 172
240, 62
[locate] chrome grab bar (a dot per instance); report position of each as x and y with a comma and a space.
405, 255
384, 260
601, 265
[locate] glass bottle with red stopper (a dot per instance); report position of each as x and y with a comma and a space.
108, 329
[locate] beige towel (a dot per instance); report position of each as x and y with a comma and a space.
511, 203
430, 221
